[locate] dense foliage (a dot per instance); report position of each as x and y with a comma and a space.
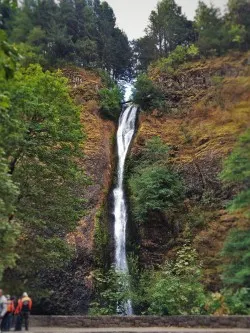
80, 32
8, 189
237, 171
111, 102
147, 95
112, 292
177, 289
154, 187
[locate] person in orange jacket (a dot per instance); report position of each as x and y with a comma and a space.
24, 307
17, 315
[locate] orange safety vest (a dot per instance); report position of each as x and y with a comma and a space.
25, 301
10, 306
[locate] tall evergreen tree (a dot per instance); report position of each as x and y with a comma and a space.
239, 19
169, 27
210, 29
79, 32
145, 52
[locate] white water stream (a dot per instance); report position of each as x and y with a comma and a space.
125, 134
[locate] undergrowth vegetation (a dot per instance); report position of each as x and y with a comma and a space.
154, 186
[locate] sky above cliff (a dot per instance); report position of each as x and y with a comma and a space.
132, 15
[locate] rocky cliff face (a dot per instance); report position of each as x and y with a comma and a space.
73, 294
208, 108
98, 152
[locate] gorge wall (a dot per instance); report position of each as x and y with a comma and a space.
207, 109
91, 238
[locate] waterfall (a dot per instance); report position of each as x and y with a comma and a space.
125, 134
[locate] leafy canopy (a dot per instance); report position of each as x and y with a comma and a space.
41, 138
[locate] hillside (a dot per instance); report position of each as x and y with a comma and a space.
208, 108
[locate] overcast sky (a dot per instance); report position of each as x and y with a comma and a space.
132, 15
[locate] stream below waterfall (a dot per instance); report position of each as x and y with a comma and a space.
125, 133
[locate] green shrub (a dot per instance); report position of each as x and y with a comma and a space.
155, 151
111, 102
155, 188
237, 171
147, 95
176, 289
238, 301
176, 58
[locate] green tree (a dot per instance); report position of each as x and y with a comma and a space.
209, 26
145, 51
111, 102
7, 10
147, 95
21, 22
176, 289
9, 58
154, 187
78, 32
42, 143
169, 27
122, 56
113, 46
239, 18
8, 226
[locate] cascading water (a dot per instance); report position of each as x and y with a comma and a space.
125, 134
